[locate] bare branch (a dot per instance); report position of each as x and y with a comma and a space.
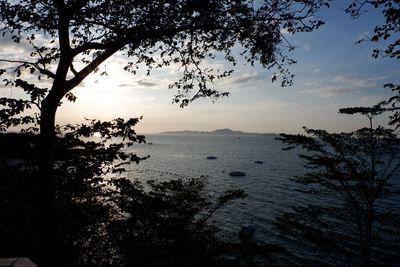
72, 68
35, 65
81, 75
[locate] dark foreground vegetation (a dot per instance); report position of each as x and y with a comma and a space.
353, 178
67, 204
67, 40
353, 183
104, 219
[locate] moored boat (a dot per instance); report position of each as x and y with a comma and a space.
247, 231
236, 173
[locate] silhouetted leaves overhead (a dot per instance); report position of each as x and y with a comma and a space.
348, 180
70, 39
157, 34
387, 32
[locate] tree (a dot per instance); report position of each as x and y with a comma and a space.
83, 210
350, 176
385, 33
354, 171
168, 223
104, 219
150, 33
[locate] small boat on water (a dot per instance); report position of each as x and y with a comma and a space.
237, 174
258, 162
211, 157
22, 262
247, 230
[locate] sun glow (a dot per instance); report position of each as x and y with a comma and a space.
98, 97
102, 92
107, 97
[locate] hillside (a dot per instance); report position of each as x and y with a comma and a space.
225, 131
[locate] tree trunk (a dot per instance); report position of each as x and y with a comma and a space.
47, 212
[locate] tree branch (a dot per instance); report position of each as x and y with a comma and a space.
75, 7
81, 75
63, 26
72, 68
35, 65
89, 46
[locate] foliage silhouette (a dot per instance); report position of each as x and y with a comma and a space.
351, 180
81, 208
352, 176
102, 218
385, 33
168, 225
152, 34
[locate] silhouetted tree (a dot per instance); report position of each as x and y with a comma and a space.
351, 180
392, 105
353, 177
386, 33
167, 223
102, 218
82, 172
153, 33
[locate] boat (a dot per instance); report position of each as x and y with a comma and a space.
211, 157
237, 174
22, 262
258, 162
247, 230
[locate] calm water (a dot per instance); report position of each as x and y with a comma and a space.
267, 184
270, 192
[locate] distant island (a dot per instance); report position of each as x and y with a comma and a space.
215, 132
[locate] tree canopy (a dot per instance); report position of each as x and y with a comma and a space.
352, 178
69, 39
386, 32
155, 33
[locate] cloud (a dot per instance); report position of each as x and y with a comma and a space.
340, 85
356, 82
21, 50
244, 78
10, 48
124, 85
372, 100
157, 83
285, 31
146, 83
306, 46
363, 35
327, 91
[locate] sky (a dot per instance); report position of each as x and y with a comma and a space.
332, 72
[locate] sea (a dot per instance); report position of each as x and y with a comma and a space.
271, 192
